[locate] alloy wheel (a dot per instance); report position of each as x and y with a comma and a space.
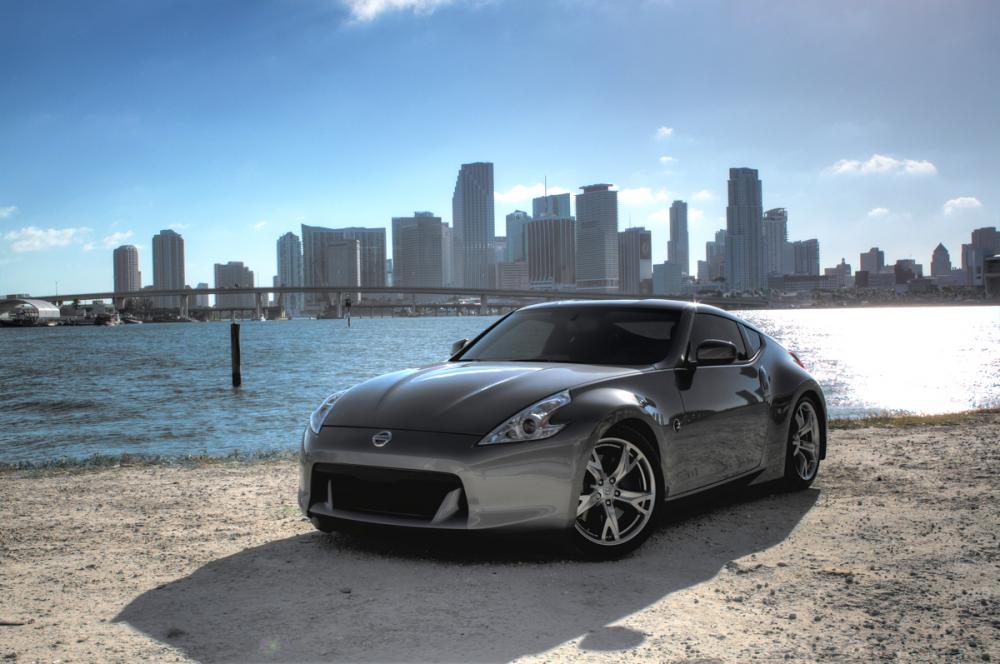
619, 493
805, 441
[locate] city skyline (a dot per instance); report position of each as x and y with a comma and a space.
110, 138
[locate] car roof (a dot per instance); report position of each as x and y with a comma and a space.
646, 303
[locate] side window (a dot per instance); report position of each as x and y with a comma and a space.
709, 326
753, 340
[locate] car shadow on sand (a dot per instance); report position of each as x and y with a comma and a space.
415, 596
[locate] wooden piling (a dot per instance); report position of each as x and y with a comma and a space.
234, 347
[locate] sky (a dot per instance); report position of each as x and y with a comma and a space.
873, 123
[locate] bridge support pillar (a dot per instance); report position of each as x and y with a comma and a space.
258, 307
185, 305
484, 304
119, 303
340, 304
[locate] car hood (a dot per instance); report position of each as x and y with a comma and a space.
459, 397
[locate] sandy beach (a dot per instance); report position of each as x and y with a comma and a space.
892, 556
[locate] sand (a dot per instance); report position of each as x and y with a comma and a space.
892, 555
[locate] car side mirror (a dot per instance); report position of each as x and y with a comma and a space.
458, 346
714, 352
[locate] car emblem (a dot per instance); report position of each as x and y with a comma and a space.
382, 438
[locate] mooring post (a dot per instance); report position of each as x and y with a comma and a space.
234, 347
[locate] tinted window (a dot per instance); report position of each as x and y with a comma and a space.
708, 326
753, 340
587, 335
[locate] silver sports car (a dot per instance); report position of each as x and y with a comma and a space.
586, 417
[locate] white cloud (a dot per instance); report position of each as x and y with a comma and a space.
31, 238
641, 196
703, 195
666, 159
115, 239
259, 225
662, 216
880, 163
878, 212
664, 132
695, 215
364, 11
961, 203
8, 211
89, 246
521, 193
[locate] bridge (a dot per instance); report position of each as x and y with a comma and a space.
335, 296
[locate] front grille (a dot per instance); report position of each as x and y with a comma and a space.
409, 494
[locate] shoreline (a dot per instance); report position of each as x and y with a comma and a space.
98, 462
891, 555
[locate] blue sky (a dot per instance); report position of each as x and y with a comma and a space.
233, 122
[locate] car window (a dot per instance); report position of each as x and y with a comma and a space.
753, 340
709, 326
584, 335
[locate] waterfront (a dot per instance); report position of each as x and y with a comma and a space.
165, 389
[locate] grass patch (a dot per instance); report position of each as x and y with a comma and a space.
103, 461
899, 421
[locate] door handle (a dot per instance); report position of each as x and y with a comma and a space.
676, 424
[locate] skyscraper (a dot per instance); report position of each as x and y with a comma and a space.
940, 262
126, 265
806, 256
985, 243
556, 205
473, 233
635, 261
447, 256
416, 251
168, 266
517, 249
744, 236
597, 239
775, 239
715, 256
290, 271
677, 246
552, 253
315, 241
342, 259
234, 274
873, 261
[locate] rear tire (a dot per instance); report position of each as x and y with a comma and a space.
805, 439
620, 498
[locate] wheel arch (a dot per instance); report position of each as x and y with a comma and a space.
815, 395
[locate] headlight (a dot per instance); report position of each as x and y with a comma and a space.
319, 415
532, 423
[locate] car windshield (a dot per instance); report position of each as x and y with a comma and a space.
594, 335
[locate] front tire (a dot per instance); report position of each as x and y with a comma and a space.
804, 443
620, 497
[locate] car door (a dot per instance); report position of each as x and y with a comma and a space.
722, 431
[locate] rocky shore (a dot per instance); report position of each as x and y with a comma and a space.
892, 556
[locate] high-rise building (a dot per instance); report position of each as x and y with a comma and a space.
806, 256
500, 248
840, 274
677, 246
513, 276
873, 261
168, 267
234, 274
635, 261
201, 300
290, 272
985, 243
552, 253
715, 256
940, 262
556, 205
342, 259
744, 236
447, 256
517, 248
126, 264
703, 273
597, 239
473, 233
316, 240
416, 251
667, 279
775, 239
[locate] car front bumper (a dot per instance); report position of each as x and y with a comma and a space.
529, 485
